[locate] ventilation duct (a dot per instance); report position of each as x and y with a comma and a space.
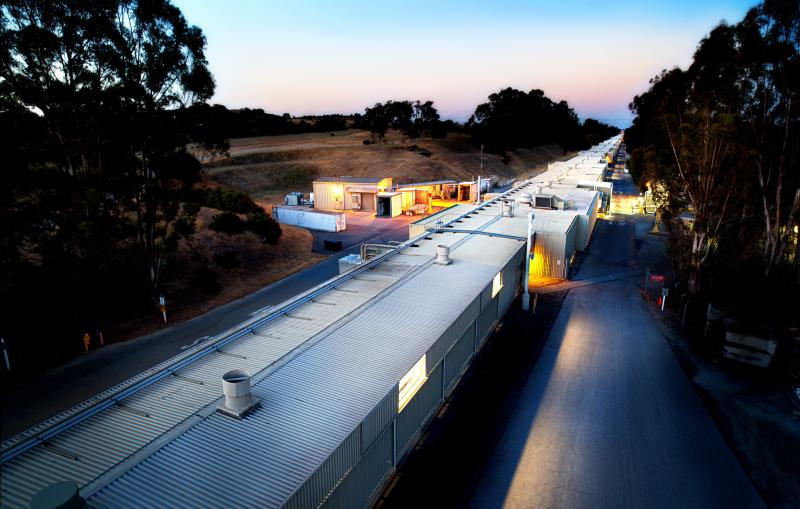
443, 255
508, 209
238, 399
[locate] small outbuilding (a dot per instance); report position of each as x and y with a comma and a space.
553, 243
349, 193
389, 204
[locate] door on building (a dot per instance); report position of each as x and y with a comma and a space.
384, 206
367, 201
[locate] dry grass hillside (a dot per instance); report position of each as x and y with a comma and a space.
268, 167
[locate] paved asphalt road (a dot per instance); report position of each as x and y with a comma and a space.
38, 399
607, 419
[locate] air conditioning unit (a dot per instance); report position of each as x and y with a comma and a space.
543, 201
293, 199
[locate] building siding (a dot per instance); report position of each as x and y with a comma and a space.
416, 412
458, 357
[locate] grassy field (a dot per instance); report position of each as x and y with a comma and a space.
268, 167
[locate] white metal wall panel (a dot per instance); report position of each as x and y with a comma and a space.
512, 280
458, 356
592, 219
487, 321
365, 480
443, 344
325, 479
325, 198
569, 246
416, 413
379, 419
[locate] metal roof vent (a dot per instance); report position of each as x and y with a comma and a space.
443, 255
508, 209
525, 198
60, 495
238, 400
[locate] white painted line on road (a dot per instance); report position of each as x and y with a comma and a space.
195, 342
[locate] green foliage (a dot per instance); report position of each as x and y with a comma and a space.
721, 139
413, 118
514, 119
265, 227
595, 132
218, 122
227, 222
94, 181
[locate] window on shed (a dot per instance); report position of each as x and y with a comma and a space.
411, 382
497, 284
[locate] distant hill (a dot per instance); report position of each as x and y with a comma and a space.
269, 166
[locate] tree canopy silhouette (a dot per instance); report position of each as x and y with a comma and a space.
98, 102
514, 119
721, 139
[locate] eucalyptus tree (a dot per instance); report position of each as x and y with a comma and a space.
109, 80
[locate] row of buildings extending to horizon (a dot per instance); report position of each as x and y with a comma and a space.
315, 402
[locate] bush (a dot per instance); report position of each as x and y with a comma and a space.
265, 227
227, 222
228, 200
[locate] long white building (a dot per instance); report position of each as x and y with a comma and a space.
346, 377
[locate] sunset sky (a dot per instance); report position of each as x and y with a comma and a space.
312, 57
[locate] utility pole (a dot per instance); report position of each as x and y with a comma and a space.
526, 297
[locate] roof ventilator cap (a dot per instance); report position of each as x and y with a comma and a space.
60, 495
508, 209
443, 255
238, 399
525, 198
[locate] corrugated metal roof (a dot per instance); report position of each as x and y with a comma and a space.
352, 180
431, 183
553, 221
309, 406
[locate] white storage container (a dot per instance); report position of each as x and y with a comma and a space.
312, 219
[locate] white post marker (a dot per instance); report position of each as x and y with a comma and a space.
163, 303
526, 297
664, 293
5, 353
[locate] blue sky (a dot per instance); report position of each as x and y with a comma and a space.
309, 57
